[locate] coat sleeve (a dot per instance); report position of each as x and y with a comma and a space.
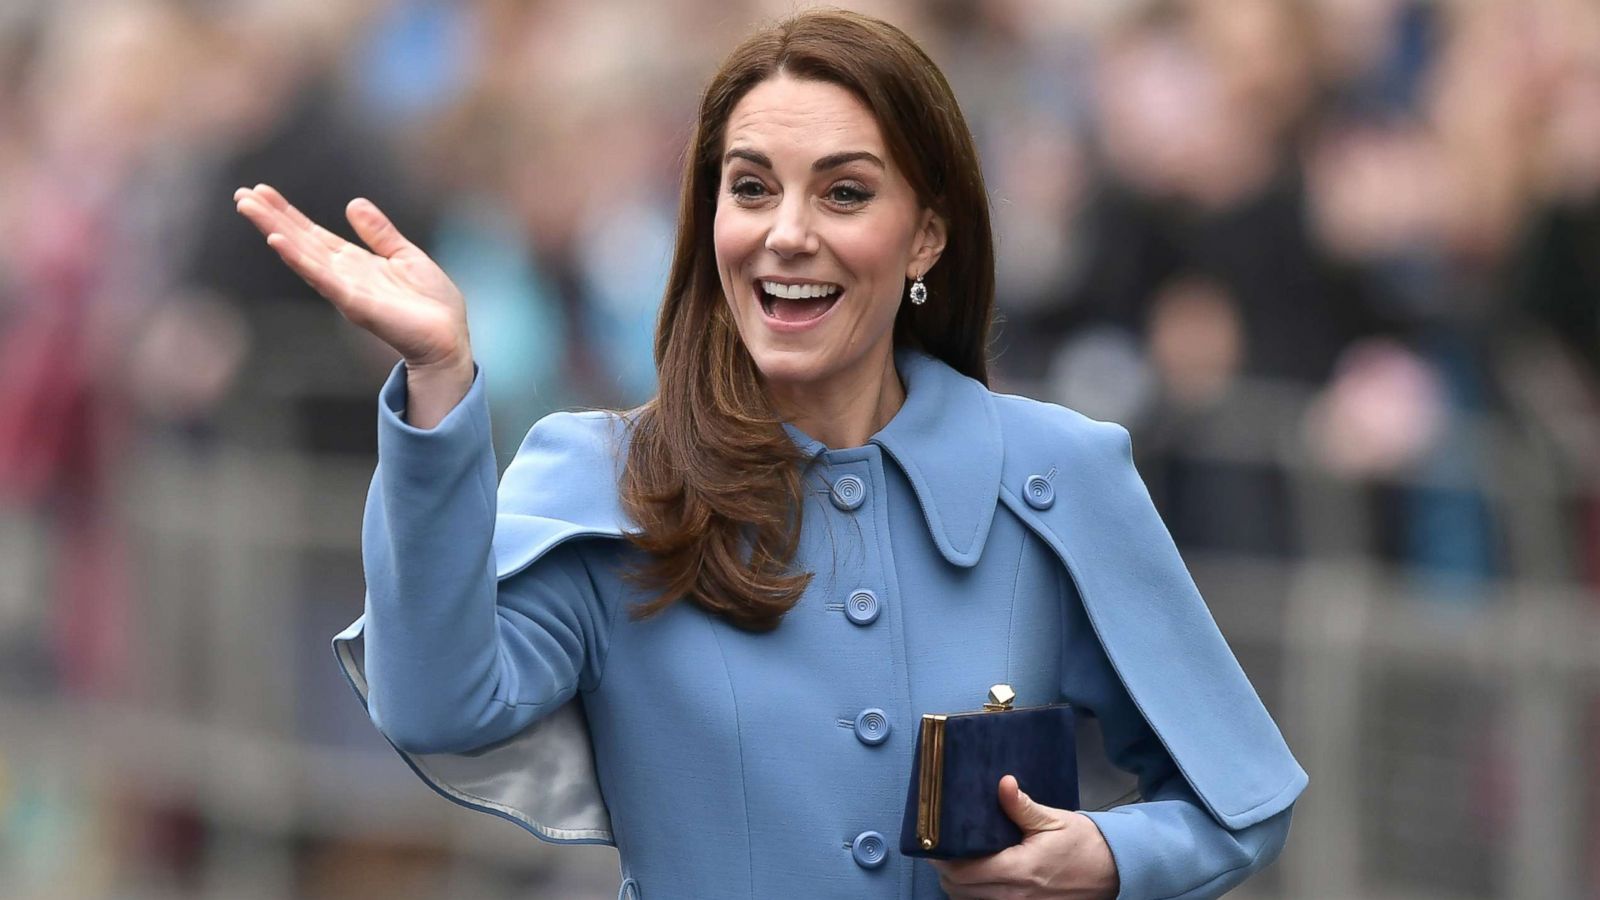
1167, 845
461, 649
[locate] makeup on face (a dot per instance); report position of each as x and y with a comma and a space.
815, 230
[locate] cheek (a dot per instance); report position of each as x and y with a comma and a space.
725, 246
877, 259
733, 238
875, 248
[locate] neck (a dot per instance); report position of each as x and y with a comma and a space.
845, 410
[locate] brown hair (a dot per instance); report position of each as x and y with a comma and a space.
711, 478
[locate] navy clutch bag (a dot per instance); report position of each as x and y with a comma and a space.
953, 802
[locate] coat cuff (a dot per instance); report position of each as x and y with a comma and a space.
402, 445
1139, 865
1173, 850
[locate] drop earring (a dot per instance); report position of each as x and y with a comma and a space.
919, 292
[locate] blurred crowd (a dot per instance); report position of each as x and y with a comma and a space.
1381, 215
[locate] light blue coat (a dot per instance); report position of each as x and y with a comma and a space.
1001, 539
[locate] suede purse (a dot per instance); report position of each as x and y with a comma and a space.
953, 802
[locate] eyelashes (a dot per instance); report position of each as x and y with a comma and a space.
748, 190
857, 194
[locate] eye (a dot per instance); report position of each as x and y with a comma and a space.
747, 188
849, 194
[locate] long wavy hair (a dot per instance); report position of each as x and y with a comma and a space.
710, 478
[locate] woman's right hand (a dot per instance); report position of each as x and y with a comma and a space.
394, 290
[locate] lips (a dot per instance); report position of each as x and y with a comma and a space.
796, 303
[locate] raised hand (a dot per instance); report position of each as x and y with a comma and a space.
390, 288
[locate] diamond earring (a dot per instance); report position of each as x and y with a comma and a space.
919, 292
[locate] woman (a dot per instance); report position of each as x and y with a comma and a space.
703, 631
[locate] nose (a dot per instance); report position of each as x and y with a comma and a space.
791, 234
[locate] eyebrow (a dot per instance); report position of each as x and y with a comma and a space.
831, 161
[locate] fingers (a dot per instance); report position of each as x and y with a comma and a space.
319, 276
987, 876
339, 270
307, 248
973, 890
974, 870
373, 227
322, 235
309, 259
1053, 860
1001, 868
270, 220
1029, 815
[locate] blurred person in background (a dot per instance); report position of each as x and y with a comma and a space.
1297, 160
1199, 258
825, 317
272, 108
93, 229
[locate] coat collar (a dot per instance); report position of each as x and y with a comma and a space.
946, 439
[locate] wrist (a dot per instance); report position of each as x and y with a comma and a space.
433, 389
1102, 862
451, 362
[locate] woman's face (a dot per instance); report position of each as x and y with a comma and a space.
816, 231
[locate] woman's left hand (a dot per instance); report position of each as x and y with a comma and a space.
1062, 855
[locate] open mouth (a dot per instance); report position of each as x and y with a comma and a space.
797, 303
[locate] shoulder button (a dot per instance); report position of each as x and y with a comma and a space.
1039, 492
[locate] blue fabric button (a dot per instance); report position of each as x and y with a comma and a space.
1039, 492
848, 492
872, 726
862, 607
869, 849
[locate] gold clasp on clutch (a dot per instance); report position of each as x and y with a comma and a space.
929, 793
1001, 696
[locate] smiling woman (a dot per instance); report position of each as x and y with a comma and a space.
829, 151
814, 245
704, 630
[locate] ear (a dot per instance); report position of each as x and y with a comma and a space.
927, 245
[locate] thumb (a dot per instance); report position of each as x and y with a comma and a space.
374, 227
1022, 809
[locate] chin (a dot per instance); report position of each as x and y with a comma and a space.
793, 366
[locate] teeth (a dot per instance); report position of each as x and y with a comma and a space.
799, 291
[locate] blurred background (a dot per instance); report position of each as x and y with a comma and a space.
1336, 263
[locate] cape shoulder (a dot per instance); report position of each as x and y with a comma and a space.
561, 485
1071, 479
